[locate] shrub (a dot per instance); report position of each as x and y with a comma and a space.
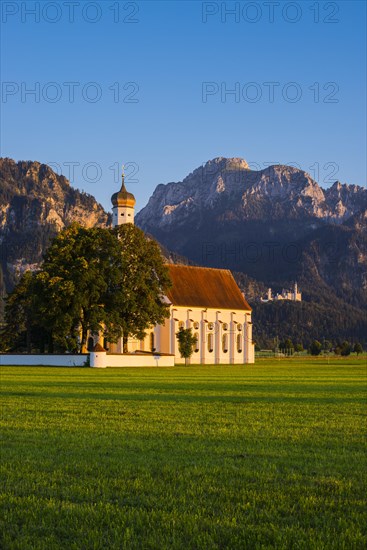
346, 348
358, 348
315, 348
186, 342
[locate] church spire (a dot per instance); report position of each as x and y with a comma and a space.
123, 204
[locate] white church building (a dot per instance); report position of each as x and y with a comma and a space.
204, 299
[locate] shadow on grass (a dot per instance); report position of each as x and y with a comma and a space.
176, 398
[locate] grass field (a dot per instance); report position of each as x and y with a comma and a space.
270, 455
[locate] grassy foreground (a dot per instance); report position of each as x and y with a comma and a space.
270, 455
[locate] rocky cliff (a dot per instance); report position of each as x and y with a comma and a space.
35, 203
276, 225
227, 190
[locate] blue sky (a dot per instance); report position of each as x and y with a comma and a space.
148, 84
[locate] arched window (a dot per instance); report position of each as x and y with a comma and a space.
225, 326
210, 326
196, 325
225, 343
152, 348
210, 343
196, 345
181, 324
239, 343
239, 326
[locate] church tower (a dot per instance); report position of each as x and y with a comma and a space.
123, 204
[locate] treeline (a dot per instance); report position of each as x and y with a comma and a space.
305, 322
287, 347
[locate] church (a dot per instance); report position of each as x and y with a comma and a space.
204, 299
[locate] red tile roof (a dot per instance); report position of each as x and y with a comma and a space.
98, 347
204, 287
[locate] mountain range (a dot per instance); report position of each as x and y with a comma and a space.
276, 225
270, 227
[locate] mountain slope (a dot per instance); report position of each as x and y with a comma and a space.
276, 225
36, 203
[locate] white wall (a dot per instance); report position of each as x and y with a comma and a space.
97, 359
44, 359
234, 320
103, 360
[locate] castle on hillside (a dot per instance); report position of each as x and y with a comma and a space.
204, 299
293, 295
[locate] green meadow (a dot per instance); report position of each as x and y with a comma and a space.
271, 455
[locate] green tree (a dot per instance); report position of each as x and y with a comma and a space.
186, 343
19, 309
94, 280
54, 311
298, 347
358, 348
327, 346
315, 348
78, 270
346, 348
137, 302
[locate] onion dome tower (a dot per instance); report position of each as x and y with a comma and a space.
123, 204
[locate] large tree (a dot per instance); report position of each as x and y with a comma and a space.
138, 300
108, 280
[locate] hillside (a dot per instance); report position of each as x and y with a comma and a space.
273, 227
36, 203
276, 225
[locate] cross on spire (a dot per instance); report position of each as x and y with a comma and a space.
123, 178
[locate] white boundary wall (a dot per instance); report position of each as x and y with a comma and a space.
97, 359
101, 359
44, 359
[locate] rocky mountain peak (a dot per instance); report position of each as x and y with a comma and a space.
213, 168
226, 188
336, 186
247, 220
286, 181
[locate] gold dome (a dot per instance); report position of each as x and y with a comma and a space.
123, 197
